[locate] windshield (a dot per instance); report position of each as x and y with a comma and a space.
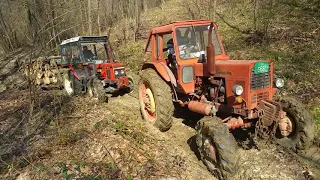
193, 41
94, 51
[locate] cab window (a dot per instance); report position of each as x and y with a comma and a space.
70, 54
192, 41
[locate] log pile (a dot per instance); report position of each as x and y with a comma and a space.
44, 71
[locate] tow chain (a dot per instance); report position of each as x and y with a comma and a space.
264, 132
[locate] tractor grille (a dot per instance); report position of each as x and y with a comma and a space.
259, 97
259, 81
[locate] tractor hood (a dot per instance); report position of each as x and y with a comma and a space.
255, 76
235, 68
240, 68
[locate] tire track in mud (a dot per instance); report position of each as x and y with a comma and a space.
312, 157
175, 139
271, 162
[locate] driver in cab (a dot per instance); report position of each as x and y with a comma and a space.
88, 55
182, 40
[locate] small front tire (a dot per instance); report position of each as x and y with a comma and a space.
98, 90
217, 147
303, 124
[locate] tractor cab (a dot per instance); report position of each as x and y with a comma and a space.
86, 49
192, 41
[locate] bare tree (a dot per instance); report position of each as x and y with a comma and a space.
89, 17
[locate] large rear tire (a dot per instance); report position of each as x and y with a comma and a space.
72, 85
303, 125
217, 147
155, 100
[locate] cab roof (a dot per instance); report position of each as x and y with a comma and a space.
169, 27
85, 39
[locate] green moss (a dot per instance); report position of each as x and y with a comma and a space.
316, 113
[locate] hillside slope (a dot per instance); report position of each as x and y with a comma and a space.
89, 139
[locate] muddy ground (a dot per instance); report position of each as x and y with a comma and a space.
80, 137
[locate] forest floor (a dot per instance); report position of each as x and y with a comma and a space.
79, 137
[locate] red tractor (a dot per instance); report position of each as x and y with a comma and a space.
93, 68
189, 68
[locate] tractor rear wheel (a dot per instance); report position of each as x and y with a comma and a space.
302, 125
217, 147
71, 84
155, 100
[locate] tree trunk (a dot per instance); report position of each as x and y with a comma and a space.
214, 9
89, 17
55, 43
145, 5
98, 18
137, 21
81, 16
255, 14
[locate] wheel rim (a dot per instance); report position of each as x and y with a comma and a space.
148, 101
68, 85
292, 123
210, 150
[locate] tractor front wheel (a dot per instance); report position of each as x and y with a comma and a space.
131, 85
301, 124
155, 99
217, 147
97, 90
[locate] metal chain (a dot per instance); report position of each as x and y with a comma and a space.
263, 131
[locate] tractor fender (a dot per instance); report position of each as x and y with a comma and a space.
163, 70
79, 73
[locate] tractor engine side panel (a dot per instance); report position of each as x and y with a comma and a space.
241, 73
234, 74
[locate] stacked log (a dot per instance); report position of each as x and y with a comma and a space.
44, 71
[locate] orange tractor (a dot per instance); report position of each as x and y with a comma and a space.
189, 67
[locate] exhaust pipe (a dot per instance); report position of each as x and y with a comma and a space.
211, 53
201, 108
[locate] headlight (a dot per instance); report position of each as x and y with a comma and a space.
279, 83
237, 90
122, 71
116, 73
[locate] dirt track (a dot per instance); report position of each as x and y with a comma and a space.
95, 134
271, 162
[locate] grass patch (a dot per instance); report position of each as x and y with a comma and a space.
67, 137
316, 113
132, 54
